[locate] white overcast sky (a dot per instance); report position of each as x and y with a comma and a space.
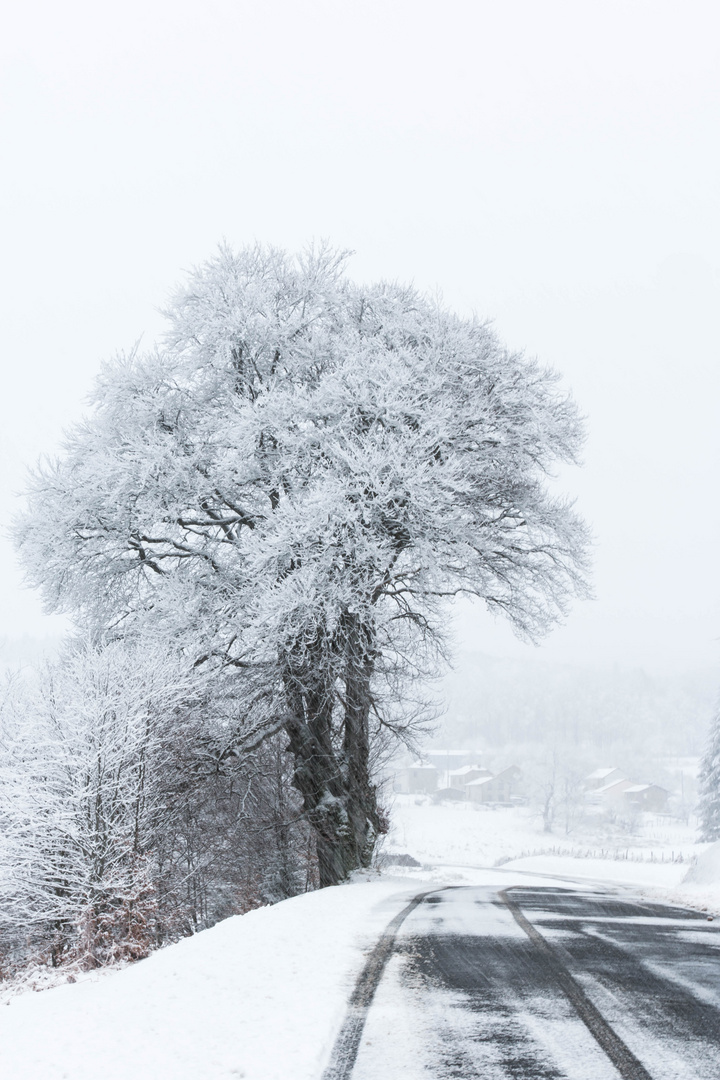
554, 166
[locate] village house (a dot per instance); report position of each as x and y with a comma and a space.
601, 778
459, 778
621, 794
504, 787
649, 797
612, 794
416, 779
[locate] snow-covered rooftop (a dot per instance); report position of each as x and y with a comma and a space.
614, 784
647, 787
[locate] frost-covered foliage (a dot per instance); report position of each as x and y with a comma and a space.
289, 489
709, 781
114, 834
82, 748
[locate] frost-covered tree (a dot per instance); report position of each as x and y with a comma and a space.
83, 745
119, 827
291, 487
709, 785
553, 775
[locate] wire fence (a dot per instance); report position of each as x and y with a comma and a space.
614, 854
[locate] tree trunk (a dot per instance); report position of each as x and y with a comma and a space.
363, 813
339, 800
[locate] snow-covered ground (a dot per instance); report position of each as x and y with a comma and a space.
451, 838
259, 996
262, 996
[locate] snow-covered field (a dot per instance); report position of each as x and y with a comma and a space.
262, 996
451, 838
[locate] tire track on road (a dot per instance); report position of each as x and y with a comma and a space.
345, 1050
629, 1067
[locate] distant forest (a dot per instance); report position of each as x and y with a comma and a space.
611, 711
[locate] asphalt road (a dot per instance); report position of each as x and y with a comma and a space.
541, 983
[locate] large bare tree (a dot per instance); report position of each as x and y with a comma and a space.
291, 487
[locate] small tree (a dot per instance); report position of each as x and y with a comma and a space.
82, 748
709, 784
292, 487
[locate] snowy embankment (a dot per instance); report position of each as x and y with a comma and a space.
260, 996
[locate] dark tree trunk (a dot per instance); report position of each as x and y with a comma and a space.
339, 800
362, 795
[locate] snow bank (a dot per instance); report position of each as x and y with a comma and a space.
706, 870
259, 996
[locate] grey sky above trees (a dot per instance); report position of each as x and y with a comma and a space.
553, 167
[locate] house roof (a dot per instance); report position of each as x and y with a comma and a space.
600, 774
614, 784
647, 787
465, 769
482, 780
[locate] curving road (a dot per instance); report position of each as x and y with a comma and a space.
536, 983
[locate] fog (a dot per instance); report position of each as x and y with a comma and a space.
552, 167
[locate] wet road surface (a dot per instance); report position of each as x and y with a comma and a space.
541, 983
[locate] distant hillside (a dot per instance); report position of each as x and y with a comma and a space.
493, 701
